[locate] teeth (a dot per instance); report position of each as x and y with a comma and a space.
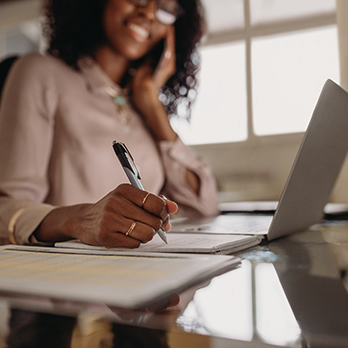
139, 30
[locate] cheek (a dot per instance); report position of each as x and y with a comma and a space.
114, 11
108, 19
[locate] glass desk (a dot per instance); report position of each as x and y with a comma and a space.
291, 292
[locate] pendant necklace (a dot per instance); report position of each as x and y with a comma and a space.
122, 111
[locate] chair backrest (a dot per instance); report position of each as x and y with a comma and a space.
5, 66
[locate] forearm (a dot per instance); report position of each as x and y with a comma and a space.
153, 113
160, 127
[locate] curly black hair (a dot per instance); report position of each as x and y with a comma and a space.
74, 28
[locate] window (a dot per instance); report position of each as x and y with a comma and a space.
288, 72
219, 113
263, 75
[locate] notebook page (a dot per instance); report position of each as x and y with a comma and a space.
183, 243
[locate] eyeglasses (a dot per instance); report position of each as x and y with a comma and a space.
167, 11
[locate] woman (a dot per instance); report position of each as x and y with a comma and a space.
108, 60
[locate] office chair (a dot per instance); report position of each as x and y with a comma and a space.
5, 66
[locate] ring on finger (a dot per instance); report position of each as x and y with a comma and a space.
144, 199
131, 228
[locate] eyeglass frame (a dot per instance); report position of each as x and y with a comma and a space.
142, 3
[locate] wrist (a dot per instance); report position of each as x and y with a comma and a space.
155, 116
160, 127
59, 225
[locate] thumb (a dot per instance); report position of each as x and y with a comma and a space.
172, 207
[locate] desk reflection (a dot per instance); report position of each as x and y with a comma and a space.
248, 304
28, 329
314, 289
288, 293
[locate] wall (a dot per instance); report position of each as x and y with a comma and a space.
254, 170
14, 14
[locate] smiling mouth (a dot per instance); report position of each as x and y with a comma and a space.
137, 29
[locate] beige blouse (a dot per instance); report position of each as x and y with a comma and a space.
57, 126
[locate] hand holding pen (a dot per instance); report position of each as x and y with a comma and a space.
133, 175
125, 217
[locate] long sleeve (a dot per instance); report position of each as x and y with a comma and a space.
57, 125
177, 158
26, 135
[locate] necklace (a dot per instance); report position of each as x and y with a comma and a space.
121, 104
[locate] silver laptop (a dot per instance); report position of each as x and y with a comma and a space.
310, 182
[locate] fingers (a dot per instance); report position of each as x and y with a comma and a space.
155, 205
166, 66
141, 206
170, 49
130, 237
159, 207
130, 216
162, 209
144, 199
172, 207
173, 300
149, 202
139, 231
165, 304
171, 39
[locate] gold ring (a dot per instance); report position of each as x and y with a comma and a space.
144, 200
131, 228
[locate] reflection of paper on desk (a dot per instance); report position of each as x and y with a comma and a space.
184, 243
123, 279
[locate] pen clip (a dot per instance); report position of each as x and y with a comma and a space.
130, 157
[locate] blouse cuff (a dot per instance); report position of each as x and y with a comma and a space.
177, 157
178, 152
28, 221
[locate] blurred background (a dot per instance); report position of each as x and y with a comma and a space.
264, 63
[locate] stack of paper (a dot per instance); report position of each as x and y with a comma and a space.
130, 279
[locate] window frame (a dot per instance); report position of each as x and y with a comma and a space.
239, 164
248, 33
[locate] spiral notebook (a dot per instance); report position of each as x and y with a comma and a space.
181, 243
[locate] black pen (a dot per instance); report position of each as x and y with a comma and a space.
132, 172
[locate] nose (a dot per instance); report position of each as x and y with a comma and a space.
149, 11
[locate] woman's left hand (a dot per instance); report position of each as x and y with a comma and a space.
146, 76
166, 65
145, 85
